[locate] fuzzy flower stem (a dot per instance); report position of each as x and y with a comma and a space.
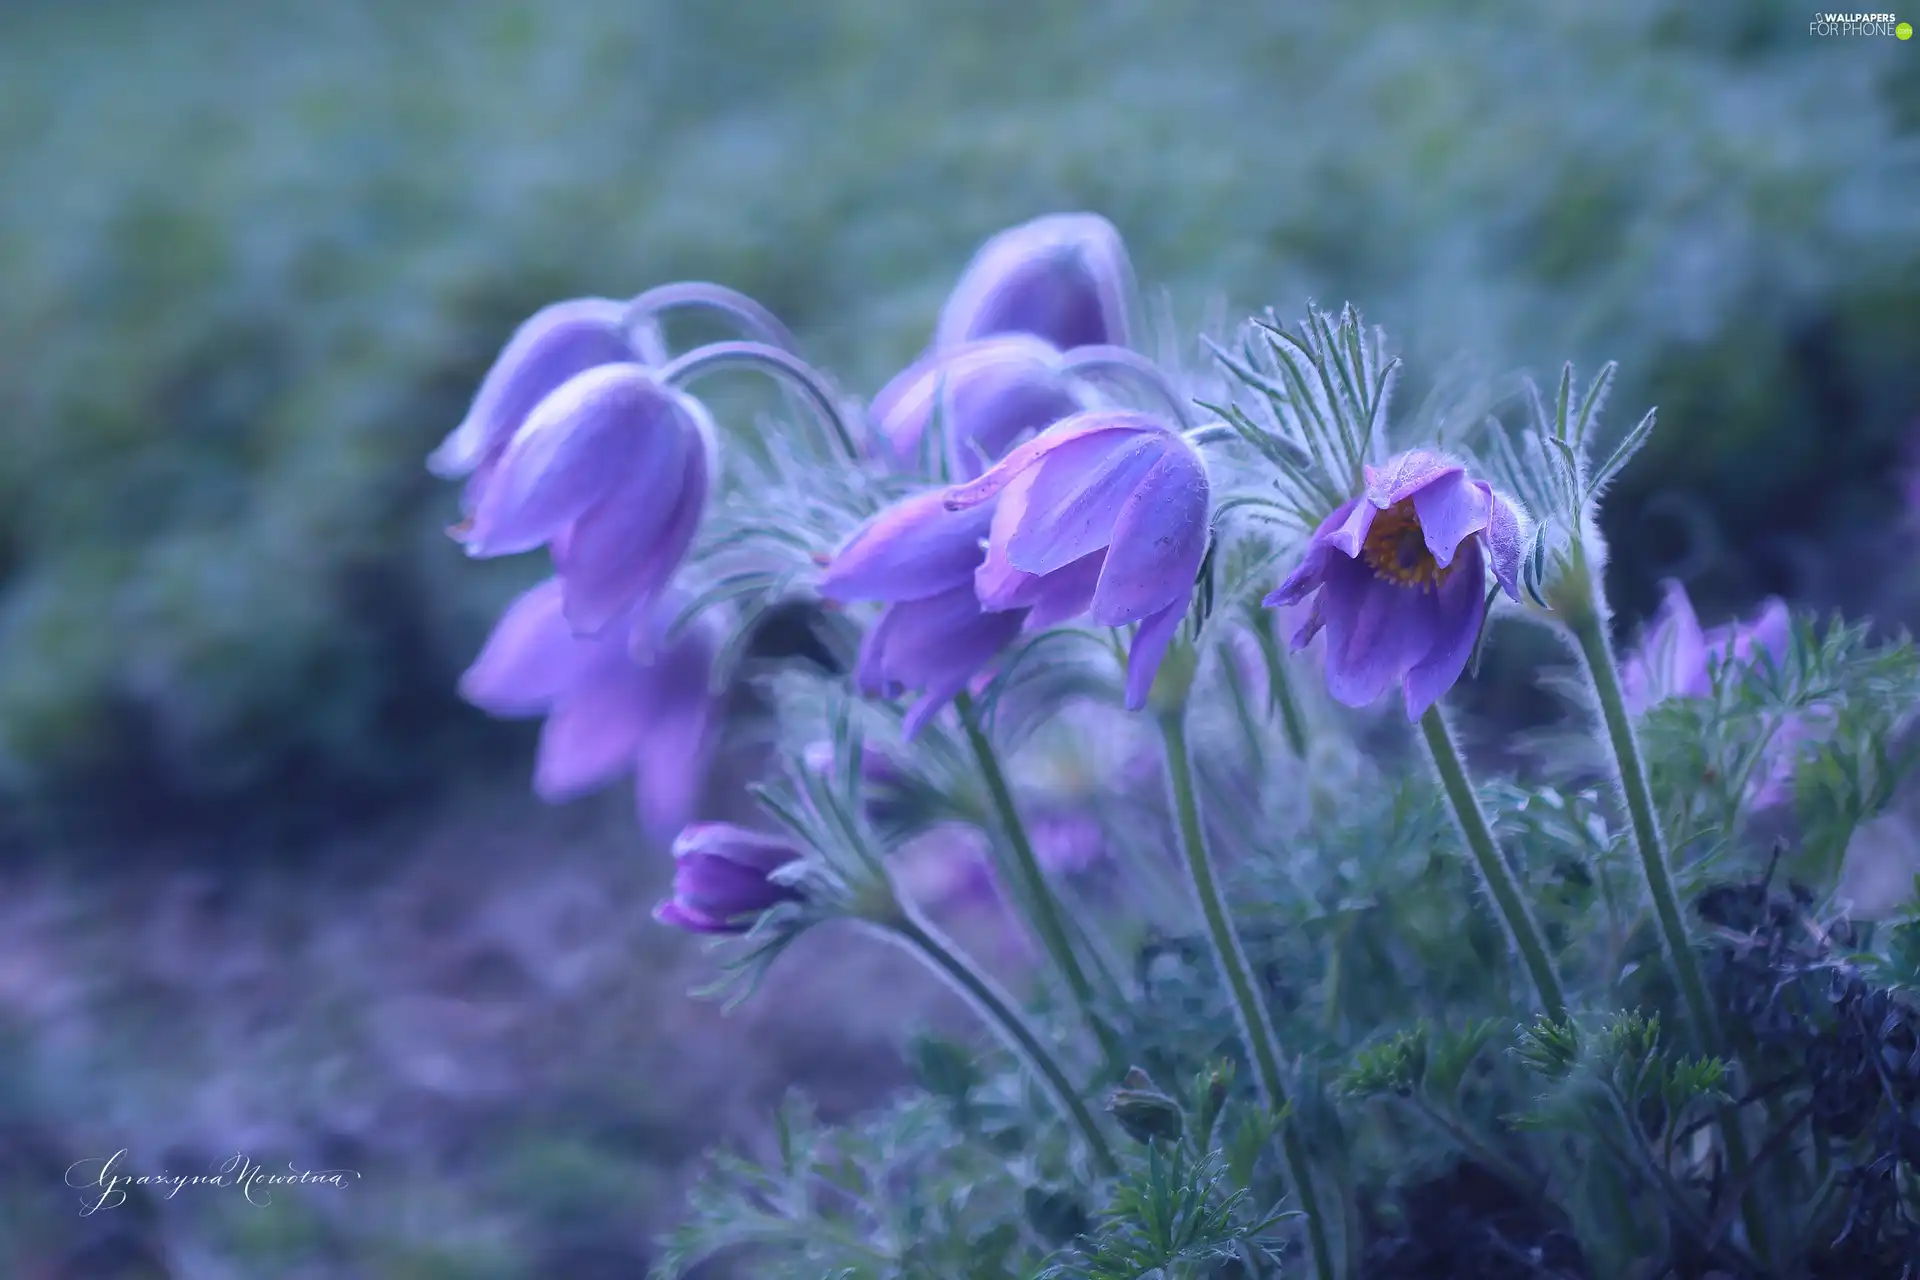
996, 1007
1584, 614
1256, 1024
783, 365
1043, 912
1125, 360
1522, 931
755, 320
1280, 684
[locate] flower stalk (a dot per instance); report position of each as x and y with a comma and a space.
1583, 614
1030, 886
782, 365
1256, 1024
996, 1007
1523, 933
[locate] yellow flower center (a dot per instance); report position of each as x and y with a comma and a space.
1396, 549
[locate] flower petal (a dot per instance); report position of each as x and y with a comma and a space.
1675, 649
1405, 475
1350, 520
1064, 594
554, 343
581, 441
681, 917
1349, 535
1376, 631
1065, 277
624, 549
1506, 540
1157, 542
530, 660
1459, 611
759, 850
913, 549
991, 392
996, 582
1078, 492
948, 633
1062, 433
676, 745
1451, 509
1149, 648
592, 736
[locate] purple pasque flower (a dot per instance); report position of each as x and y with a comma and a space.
1064, 277
1676, 659
555, 343
722, 878
918, 558
990, 392
607, 713
1676, 656
610, 471
1105, 513
1398, 579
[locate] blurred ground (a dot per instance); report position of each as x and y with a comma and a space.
471, 1009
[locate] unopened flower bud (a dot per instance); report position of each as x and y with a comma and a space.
1146, 1114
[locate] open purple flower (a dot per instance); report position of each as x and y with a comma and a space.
918, 558
555, 343
607, 714
1105, 513
1398, 579
990, 393
721, 878
1064, 277
610, 470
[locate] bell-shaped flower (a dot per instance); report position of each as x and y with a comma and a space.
918, 558
1064, 277
1398, 579
989, 394
610, 471
1677, 658
607, 713
1106, 513
722, 878
554, 344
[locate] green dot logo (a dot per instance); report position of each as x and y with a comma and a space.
1904, 31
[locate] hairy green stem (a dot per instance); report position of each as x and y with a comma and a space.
1522, 932
996, 1007
788, 368
1256, 1024
1031, 889
1586, 621
1280, 684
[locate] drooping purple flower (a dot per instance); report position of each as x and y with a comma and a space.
1105, 513
1064, 277
1676, 659
607, 713
721, 878
918, 558
1398, 579
555, 343
990, 393
611, 472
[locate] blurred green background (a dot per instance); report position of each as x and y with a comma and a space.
254, 258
